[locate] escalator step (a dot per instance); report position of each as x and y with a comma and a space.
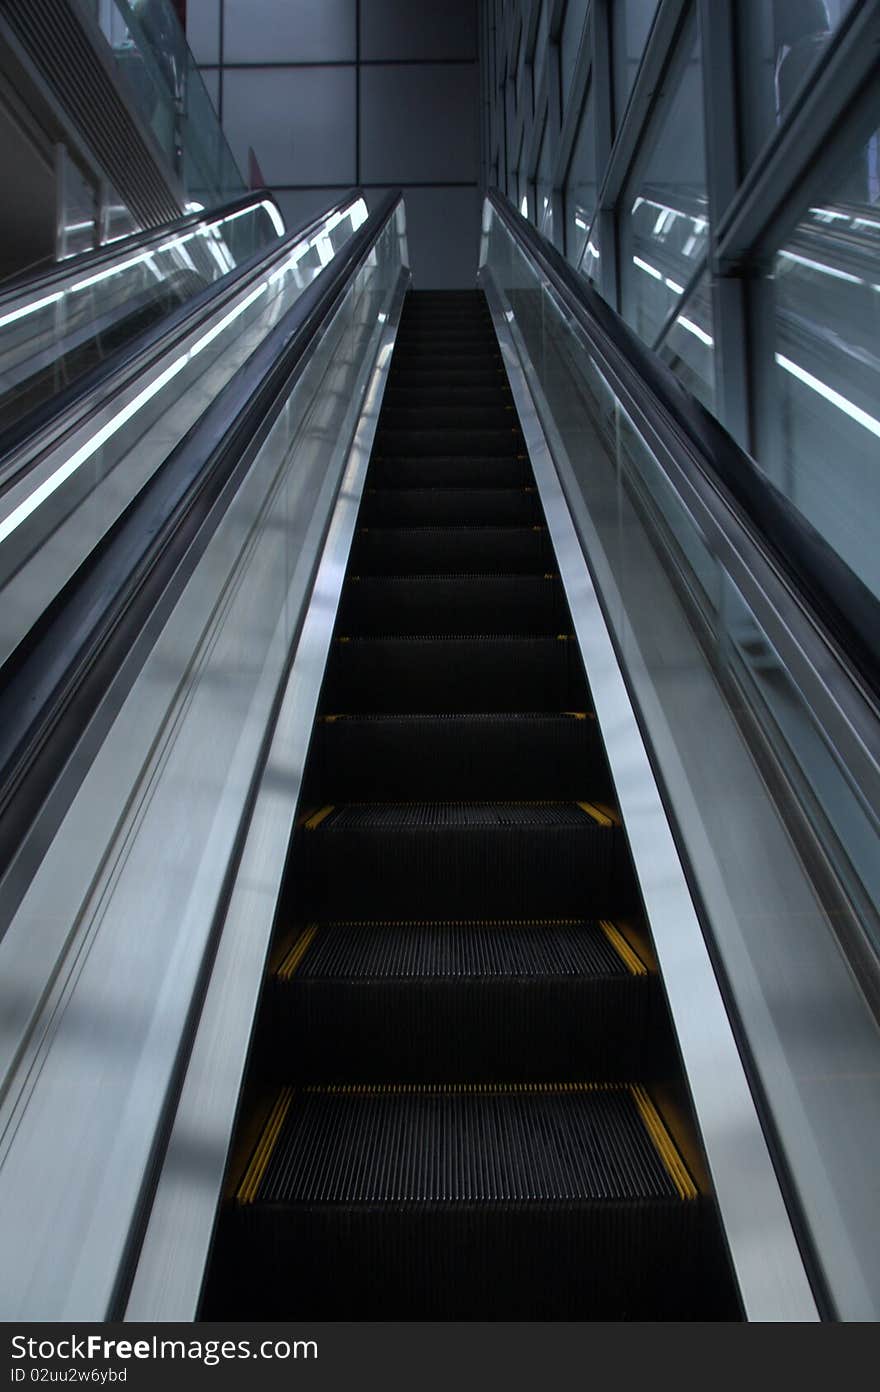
458, 416
473, 441
489, 1001
454, 471
453, 603
448, 507
454, 674
438, 550
411, 376
379, 757
464, 393
554, 1201
461, 860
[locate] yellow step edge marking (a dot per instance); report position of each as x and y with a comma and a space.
329, 719
575, 715
630, 959
601, 813
253, 1175
290, 963
664, 1144
317, 817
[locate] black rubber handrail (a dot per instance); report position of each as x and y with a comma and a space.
155, 337
55, 680
847, 610
41, 282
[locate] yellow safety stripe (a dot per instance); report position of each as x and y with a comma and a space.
664, 1144
623, 949
317, 818
601, 813
253, 1175
296, 953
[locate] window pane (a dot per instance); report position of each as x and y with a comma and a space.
632, 20
664, 237
545, 181
572, 30
591, 264
780, 43
580, 188
827, 363
689, 346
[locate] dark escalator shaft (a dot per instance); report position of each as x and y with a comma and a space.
448, 1110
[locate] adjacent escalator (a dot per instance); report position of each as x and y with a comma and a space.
458, 1103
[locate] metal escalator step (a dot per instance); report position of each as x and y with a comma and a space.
454, 674
448, 441
446, 507
461, 860
404, 376
535, 1144
439, 550
378, 757
453, 604
537, 1201
489, 1001
492, 392
453, 471
494, 415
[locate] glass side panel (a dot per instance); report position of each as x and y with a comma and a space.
665, 224
631, 25
167, 800
163, 81
60, 503
826, 448
722, 717
581, 187
56, 330
689, 347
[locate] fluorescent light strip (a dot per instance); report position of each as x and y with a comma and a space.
643, 266
32, 308
695, 330
841, 402
823, 267
85, 452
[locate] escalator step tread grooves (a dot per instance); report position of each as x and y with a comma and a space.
398, 815
459, 949
486, 1145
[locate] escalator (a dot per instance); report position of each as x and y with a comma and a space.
463, 1098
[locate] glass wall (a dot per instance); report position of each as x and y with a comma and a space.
580, 188
631, 20
826, 361
665, 217
754, 276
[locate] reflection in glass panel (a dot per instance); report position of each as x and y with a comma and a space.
827, 353
781, 41
591, 263
632, 20
581, 185
664, 238
545, 183
689, 346
572, 32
